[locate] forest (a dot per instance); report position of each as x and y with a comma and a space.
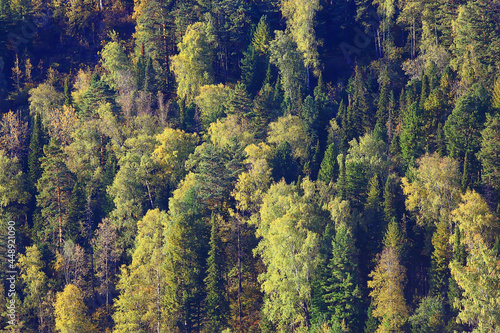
250, 166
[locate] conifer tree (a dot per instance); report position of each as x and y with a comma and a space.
239, 103
329, 168
383, 101
411, 133
342, 293
495, 103
217, 304
490, 149
54, 188
150, 77
68, 100
360, 108
261, 37
283, 163
35, 152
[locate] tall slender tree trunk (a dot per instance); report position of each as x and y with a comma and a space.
88, 212
59, 206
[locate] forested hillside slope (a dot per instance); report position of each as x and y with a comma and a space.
250, 165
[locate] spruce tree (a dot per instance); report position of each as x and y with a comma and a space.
411, 133
329, 168
383, 101
217, 305
342, 293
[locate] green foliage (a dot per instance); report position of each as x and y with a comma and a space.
144, 283
463, 127
54, 188
476, 224
329, 168
212, 103
216, 301
193, 65
262, 36
342, 292
300, 15
434, 189
411, 133
429, 316
490, 148
287, 248
292, 73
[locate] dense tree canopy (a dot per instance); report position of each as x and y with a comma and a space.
250, 166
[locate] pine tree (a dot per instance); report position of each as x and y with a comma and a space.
216, 302
140, 72
424, 91
98, 93
389, 203
54, 188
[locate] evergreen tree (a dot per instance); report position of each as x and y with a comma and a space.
496, 95
283, 164
68, 100
383, 101
97, 94
463, 127
150, 77
411, 133
329, 168
239, 103
362, 117
342, 293
490, 149
35, 152
54, 188
216, 302
261, 37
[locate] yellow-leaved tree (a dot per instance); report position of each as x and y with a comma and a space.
479, 279
71, 312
